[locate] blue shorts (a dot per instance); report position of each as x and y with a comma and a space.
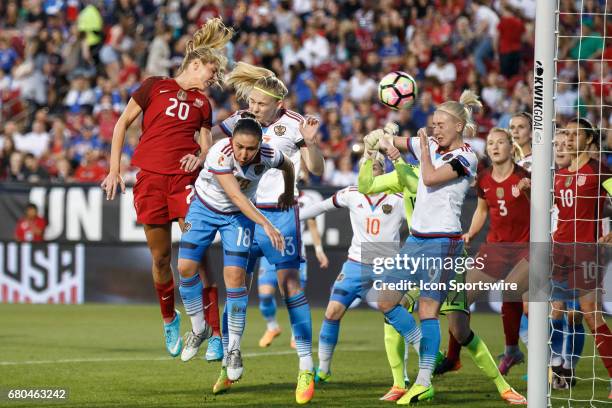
201, 226
428, 265
267, 273
288, 223
352, 282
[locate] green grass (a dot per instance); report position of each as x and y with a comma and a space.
113, 355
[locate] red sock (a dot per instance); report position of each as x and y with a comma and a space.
511, 318
211, 309
454, 348
603, 340
165, 295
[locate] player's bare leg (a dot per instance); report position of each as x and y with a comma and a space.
268, 309
512, 312
301, 325
159, 243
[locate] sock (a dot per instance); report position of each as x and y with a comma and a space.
511, 318
395, 348
224, 336
404, 323
484, 360
301, 325
165, 296
430, 344
191, 293
524, 330
603, 340
574, 344
556, 342
454, 348
328, 338
236, 305
406, 354
267, 306
211, 308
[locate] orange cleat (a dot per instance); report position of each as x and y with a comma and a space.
513, 398
393, 394
268, 336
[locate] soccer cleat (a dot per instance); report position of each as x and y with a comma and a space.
174, 341
321, 377
234, 365
569, 376
304, 391
193, 342
393, 394
557, 379
223, 383
513, 398
510, 360
417, 393
268, 336
214, 351
292, 343
446, 366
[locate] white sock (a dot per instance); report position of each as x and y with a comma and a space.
234, 341
424, 377
272, 324
417, 347
306, 363
198, 324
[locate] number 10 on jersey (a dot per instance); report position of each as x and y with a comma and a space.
372, 226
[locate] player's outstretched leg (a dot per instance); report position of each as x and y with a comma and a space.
191, 292
452, 360
511, 318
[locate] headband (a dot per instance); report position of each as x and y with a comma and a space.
268, 93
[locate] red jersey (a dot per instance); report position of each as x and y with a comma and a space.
30, 231
580, 198
171, 117
508, 206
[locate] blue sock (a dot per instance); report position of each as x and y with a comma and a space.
556, 340
430, 344
404, 323
191, 294
524, 330
574, 344
267, 306
224, 334
236, 305
328, 338
301, 324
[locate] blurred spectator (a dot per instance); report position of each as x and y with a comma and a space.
423, 109
486, 21
91, 169
15, 170
361, 87
8, 55
343, 175
31, 227
511, 29
159, 59
35, 142
32, 172
440, 69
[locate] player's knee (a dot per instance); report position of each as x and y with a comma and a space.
187, 268
161, 261
334, 311
385, 305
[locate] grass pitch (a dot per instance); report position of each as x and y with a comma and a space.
113, 356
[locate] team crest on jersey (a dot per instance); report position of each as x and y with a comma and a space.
515, 191
186, 226
221, 160
568, 181
340, 277
581, 180
198, 103
387, 208
259, 168
447, 157
280, 130
181, 95
499, 192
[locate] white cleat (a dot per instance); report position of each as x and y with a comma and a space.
193, 342
234, 365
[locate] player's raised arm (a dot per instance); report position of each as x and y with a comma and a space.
310, 152
287, 200
131, 112
317, 243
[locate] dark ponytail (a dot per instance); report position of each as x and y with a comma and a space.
247, 124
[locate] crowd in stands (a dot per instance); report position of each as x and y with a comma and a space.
68, 68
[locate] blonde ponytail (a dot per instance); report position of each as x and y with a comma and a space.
246, 77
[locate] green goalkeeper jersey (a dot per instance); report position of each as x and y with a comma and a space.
404, 179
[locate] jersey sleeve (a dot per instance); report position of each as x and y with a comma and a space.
368, 184
414, 147
228, 125
220, 159
408, 176
142, 95
341, 198
315, 209
465, 164
272, 158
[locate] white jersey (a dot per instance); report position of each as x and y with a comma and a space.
437, 210
526, 162
283, 135
374, 218
220, 160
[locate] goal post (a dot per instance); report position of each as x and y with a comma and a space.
541, 203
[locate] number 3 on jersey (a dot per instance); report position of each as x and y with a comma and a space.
183, 109
372, 226
503, 210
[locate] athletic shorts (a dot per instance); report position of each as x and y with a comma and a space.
162, 198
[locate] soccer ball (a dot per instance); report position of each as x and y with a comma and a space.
397, 90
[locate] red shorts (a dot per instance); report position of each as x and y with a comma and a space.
162, 198
500, 258
579, 266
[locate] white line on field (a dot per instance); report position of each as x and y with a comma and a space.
119, 359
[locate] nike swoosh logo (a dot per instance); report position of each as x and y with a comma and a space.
164, 91
208, 305
176, 347
165, 297
486, 189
